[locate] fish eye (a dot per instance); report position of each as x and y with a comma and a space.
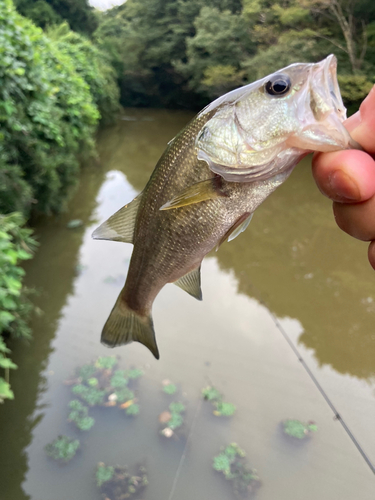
278, 85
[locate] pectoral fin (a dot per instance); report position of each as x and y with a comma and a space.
191, 283
238, 227
120, 226
202, 191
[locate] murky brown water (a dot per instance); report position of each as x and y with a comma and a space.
292, 267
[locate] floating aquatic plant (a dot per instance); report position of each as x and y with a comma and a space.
104, 473
79, 415
124, 394
119, 379
134, 373
91, 395
177, 407
62, 448
222, 409
231, 462
132, 410
298, 429
172, 420
87, 371
170, 388
211, 394
116, 483
106, 362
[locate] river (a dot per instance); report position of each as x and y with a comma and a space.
293, 275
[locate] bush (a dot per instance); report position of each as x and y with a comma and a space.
47, 118
16, 244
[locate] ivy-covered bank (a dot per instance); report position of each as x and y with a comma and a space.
54, 88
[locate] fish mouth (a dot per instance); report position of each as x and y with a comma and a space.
328, 68
325, 111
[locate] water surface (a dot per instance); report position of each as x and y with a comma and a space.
292, 269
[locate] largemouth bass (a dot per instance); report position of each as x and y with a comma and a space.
211, 178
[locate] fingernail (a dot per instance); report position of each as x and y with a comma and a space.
344, 187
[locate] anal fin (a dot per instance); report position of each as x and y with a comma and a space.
191, 283
120, 226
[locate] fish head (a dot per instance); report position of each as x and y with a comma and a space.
266, 127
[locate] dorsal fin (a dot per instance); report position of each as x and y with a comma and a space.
120, 226
201, 191
191, 283
238, 227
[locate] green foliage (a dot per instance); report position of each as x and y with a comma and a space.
222, 463
124, 394
170, 389
92, 382
43, 13
117, 483
232, 464
106, 362
119, 379
134, 373
104, 473
298, 429
224, 409
177, 407
53, 90
93, 65
16, 245
175, 421
132, 410
354, 88
47, 118
86, 372
91, 395
79, 415
183, 53
62, 448
211, 394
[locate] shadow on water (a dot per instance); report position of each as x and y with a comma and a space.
292, 258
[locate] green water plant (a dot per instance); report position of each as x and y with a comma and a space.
232, 464
221, 408
298, 429
62, 449
93, 396
172, 420
79, 415
106, 362
169, 388
117, 483
101, 384
119, 379
132, 410
134, 373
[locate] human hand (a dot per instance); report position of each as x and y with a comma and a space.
348, 177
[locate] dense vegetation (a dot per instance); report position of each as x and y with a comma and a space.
54, 87
178, 52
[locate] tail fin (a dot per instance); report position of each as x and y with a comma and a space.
124, 326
